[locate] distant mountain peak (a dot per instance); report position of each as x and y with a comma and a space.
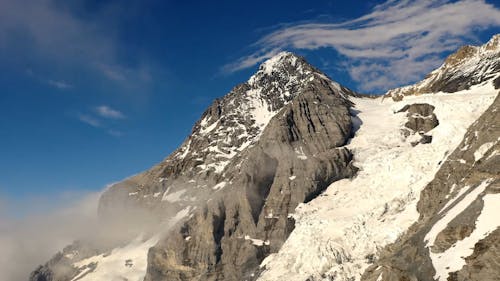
468, 66
279, 61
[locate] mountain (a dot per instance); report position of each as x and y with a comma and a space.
291, 176
470, 65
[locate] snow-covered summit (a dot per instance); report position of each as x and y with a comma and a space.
470, 65
235, 121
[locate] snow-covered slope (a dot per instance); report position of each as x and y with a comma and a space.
338, 234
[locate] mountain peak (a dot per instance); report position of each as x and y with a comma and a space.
468, 52
284, 64
494, 43
468, 66
278, 61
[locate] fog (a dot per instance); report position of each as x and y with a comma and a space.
33, 230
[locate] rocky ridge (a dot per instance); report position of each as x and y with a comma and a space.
470, 65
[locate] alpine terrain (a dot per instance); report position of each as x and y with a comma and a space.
291, 176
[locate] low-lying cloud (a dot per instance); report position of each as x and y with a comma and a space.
31, 233
396, 43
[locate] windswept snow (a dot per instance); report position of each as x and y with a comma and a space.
174, 196
124, 263
257, 242
354, 218
481, 151
112, 266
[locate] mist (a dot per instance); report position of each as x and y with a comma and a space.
34, 229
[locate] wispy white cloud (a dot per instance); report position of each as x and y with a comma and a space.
62, 85
90, 120
103, 117
396, 43
48, 29
108, 112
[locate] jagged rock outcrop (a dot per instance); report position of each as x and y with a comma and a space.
470, 65
421, 119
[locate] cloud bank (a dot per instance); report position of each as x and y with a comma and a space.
40, 228
396, 43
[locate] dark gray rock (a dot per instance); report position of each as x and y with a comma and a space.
421, 119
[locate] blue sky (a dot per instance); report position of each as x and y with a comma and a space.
95, 91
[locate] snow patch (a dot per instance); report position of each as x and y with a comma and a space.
300, 153
481, 151
257, 242
174, 196
219, 185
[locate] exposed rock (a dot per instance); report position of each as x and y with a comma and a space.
484, 263
421, 120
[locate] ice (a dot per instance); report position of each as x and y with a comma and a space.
112, 266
